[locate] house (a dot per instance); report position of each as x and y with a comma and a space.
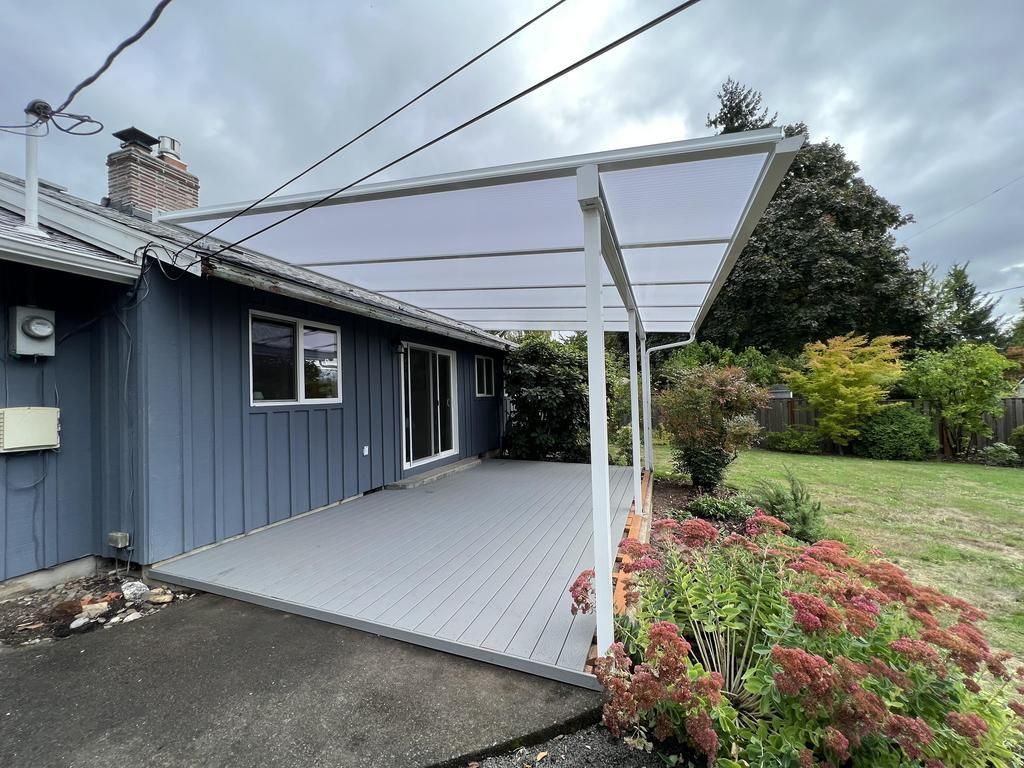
215, 395
177, 392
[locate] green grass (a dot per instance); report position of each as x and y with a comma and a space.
958, 527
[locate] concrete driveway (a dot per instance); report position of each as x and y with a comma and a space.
216, 682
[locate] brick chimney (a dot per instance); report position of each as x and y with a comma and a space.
139, 181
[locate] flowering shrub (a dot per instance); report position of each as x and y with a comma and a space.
754, 649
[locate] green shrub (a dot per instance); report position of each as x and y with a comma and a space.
620, 447
998, 455
793, 504
796, 438
720, 508
897, 432
705, 463
546, 382
1017, 439
754, 651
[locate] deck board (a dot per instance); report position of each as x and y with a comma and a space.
478, 564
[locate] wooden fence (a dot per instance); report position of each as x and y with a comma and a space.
780, 414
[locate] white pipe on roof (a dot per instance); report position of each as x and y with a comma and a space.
32, 134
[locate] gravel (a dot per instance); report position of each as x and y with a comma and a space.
593, 746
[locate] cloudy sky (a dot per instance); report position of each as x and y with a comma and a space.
926, 95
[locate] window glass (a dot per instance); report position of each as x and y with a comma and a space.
320, 363
484, 376
273, 360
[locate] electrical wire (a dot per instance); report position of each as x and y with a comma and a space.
958, 211
46, 126
47, 115
159, 9
1004, 290
379, 123
511, 100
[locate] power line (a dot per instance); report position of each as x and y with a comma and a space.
1004, 290
47, 115
377, 124
964, 208
512, 99
159, 9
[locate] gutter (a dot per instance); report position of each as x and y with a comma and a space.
296, 289
55, 257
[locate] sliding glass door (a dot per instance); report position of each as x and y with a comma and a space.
428, 391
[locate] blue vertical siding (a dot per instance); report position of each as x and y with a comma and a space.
158, 437
220, 466
56, 506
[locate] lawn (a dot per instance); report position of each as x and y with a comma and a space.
958, 527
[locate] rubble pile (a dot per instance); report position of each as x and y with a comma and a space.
79, 606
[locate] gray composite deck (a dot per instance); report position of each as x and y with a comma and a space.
477, 564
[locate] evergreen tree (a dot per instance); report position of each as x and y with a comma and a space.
1016, 336
740, 110
823, 261
962, 314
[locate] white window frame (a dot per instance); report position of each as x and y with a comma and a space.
300, 383
454, 362
476, 376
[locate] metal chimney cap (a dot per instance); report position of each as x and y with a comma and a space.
134, 136
169, 146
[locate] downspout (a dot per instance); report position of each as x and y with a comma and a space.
648, 429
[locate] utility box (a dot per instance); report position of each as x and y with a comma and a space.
32, 332
29, 429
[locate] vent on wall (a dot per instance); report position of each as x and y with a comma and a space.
29, 429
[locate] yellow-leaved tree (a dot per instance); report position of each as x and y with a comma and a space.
845, 380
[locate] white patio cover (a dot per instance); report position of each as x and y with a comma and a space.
635, 240
502, 248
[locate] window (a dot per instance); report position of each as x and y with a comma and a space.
280, 348
484, 376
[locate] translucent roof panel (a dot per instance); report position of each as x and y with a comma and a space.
698, 200
502, 248
462, 221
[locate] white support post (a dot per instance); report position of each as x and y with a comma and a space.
587, 182
645, 362
634, 414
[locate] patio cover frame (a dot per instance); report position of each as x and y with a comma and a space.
602, 250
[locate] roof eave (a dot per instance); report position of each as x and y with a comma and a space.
399, 314
55, 257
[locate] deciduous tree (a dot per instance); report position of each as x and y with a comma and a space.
845, 379
823, 261
964, 383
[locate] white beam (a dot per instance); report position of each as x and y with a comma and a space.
599, 488
634, 414
619, 326
705, 148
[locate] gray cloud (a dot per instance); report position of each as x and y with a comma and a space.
927, 96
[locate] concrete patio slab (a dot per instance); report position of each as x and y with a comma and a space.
216, 682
